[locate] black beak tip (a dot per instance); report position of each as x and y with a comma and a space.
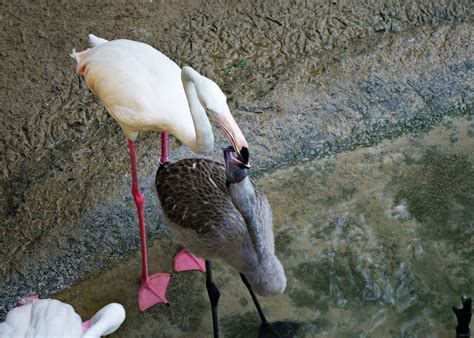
244, 154
242, 157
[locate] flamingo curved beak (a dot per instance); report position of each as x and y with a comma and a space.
234, 134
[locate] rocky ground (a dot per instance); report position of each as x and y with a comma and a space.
305, 79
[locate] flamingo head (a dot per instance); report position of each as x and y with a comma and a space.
214, 102
236, 168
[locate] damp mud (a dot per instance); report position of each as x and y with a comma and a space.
377, 242
305, 80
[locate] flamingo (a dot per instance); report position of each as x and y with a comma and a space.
142, 89
53, 318
217, 212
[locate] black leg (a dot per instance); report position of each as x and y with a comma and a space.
281, 329
255, 300
214, 295
265, 329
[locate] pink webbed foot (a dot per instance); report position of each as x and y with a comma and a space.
153, 290
186, 261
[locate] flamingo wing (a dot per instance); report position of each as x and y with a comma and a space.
139, 86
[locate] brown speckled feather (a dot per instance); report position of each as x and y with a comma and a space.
194, 195
202, 215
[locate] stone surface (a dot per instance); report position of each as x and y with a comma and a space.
305, 79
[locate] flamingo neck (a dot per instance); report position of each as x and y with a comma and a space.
244, 198
204, 136
104, 322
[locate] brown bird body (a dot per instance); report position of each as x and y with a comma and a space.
202, 215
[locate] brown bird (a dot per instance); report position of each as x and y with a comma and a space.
218, 213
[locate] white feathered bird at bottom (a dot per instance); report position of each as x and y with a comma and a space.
53, 318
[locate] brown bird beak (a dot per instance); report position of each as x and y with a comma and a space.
234, 134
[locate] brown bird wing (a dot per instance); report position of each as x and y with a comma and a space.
193, 194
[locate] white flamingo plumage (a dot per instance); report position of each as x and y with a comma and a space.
52, 318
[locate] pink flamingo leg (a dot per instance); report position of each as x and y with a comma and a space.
184, 260
153, 288
164, 148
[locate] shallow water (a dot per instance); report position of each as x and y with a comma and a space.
375, 242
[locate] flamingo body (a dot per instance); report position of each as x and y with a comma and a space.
217, 212
146, 92
201, 214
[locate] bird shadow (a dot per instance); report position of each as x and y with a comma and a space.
280, 329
